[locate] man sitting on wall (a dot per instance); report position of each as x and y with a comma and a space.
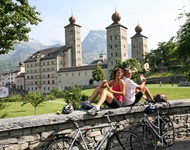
133, 91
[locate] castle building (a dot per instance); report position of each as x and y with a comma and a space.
8, 78
62, 67
139, 46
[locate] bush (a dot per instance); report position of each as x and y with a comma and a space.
73, 96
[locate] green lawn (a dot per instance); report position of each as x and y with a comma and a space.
14, 109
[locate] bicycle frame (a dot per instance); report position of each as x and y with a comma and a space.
155, 127
80, 134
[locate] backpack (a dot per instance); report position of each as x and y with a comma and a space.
160, 98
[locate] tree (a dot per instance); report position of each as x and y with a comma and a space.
98, 74
34, 98
15, 15
2, 106
73, 96
164, 55
183, 44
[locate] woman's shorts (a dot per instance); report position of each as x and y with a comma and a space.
114, 104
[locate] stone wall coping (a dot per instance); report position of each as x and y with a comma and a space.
50, 119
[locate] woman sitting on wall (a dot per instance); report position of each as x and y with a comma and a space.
112, 97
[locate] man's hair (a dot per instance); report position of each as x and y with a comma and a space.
126, 70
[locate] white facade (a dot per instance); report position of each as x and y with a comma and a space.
79, 76
4, 91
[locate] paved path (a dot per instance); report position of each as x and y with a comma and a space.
57, 102
180, 144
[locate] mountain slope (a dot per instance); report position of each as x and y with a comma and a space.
92, 45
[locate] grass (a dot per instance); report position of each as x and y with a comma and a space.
14, 109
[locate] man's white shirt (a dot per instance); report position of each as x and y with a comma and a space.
130, 87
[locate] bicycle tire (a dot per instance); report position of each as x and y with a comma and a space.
128, 139
166, 126
147, 136
63, 143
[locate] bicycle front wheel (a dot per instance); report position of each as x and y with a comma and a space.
64, 143
147, 136
125, 140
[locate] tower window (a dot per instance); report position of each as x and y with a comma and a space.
116, 54
110, 46
111, 55
115, 45
110, 37
115, 37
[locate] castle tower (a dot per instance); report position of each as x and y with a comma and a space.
139, 47
73, 40
117, 46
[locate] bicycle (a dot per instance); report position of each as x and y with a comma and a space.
119, 139
161, 129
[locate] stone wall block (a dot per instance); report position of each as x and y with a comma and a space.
38, 129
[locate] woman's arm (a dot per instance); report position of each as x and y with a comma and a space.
122, 88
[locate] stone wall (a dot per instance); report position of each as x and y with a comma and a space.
23, 133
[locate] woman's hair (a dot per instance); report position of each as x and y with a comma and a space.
115, 72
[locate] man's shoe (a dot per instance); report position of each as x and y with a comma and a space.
93, 111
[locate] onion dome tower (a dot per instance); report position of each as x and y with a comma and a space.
139, 46
73, 40
117, 46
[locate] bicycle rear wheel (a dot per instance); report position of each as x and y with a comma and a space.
167, 130
147, 136
63, 143
124, 140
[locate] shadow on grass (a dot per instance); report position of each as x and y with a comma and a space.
19, 111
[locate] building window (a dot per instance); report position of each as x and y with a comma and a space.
110, 46
53, 82
79, 73
48, 75
115, 45
44, 88
48, 63
110, 37
52, 62
111, 55
116, 54
115, 37
48, 82
73, 74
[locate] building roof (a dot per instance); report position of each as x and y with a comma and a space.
115, 25
49, 53
79, 68
139, 35
11, 71
21, 75
98, 61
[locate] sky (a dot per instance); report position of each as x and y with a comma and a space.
156, 17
